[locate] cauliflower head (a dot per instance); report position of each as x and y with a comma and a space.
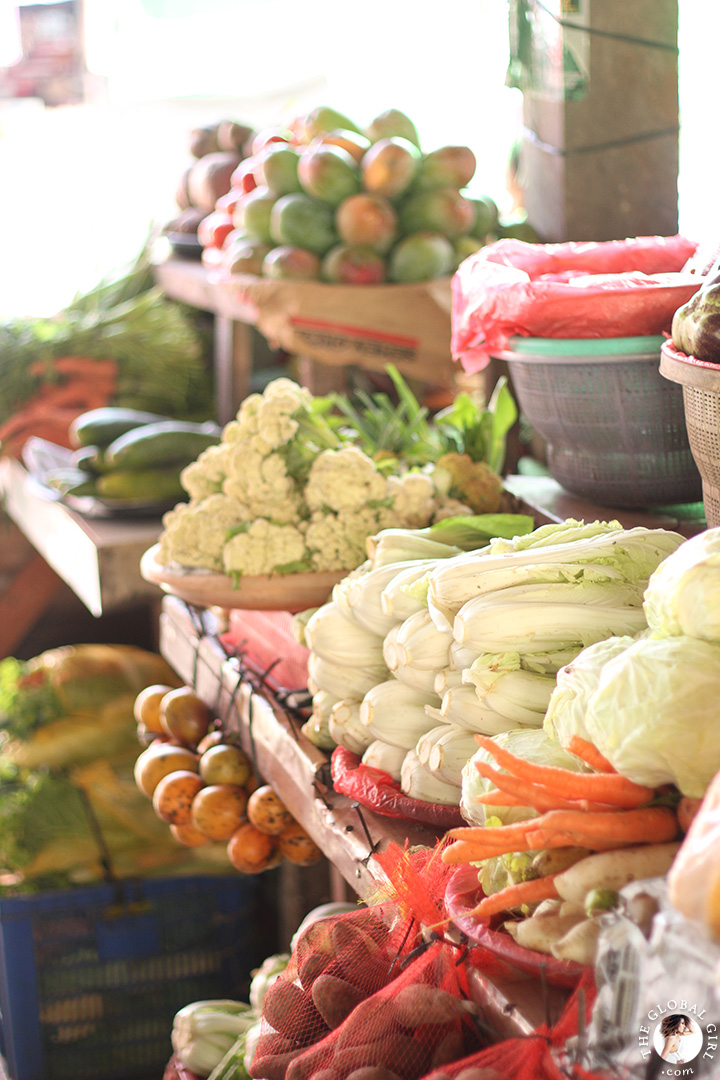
205, 476
344, 479
268, 418
195, 532
414, 499
265, 548
471, 482
261, 482
338, 541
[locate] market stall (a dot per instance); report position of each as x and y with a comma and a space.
423, 781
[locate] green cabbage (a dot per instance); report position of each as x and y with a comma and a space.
565, 715
683, 594
654, 714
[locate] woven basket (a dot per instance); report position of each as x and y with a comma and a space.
700, 382
615, 430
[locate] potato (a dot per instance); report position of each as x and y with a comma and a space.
173, 797
251, 851
267, 812
297, 847
218, 810
159, 760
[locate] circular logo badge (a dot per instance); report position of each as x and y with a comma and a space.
678, 1038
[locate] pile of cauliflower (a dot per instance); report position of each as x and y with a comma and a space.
284, 493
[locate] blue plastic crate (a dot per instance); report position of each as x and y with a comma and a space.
90, 979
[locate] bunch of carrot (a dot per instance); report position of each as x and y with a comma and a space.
596, 811
67, 387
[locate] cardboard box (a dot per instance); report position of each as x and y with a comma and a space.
366, 326
599, 156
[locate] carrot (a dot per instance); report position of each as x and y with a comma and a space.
601, 787
650, 825
525, 892
493, 835
587, 752
466, 852
503, 798
535, 795
84, 366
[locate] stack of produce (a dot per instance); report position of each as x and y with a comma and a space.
69, 806
326, 199
297, 485
123, 343
217, 150
203, 786
126, 454
424, 646
599, 797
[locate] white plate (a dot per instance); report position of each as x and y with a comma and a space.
282, 592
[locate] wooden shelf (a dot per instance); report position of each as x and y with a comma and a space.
99, 559
299, 772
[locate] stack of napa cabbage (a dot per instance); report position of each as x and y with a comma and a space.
423, 646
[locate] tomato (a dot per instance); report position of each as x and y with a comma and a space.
185, 716
146, 708
159, 760
267, 812
298, 847
251, 851
224, 764
173, 797
189, 836
218, 810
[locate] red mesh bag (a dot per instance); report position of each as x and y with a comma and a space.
534, 1057
337, 963
615, 288
421, 1020
376, 790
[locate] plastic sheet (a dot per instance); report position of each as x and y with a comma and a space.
376, 790
615, 288
462, 894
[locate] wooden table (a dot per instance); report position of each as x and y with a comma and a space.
98, 558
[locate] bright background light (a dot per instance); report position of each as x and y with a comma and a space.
82, 186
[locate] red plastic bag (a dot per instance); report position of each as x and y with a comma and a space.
376, 790
462, 894
616, 288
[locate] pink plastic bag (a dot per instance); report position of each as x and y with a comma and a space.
616, 288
